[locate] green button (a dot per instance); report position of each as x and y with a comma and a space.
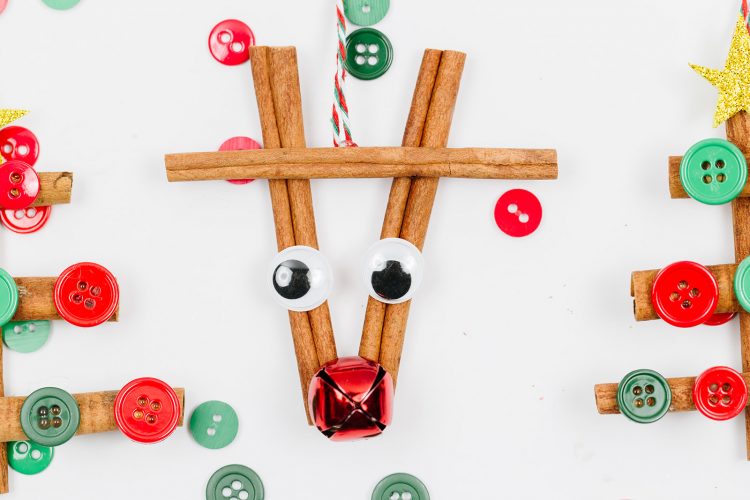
234, 482
26, 336
400, 487
366, 12
742, 284
8, 297
214, 424
29, 458
713, 171
50, 416
369, 54
61, 4
644, 396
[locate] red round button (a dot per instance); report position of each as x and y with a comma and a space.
518, 213
86, 294
239, 144
685, 294
718, 319
25, 221
230, 42
147, 410
19, 185
720, 393
18, 143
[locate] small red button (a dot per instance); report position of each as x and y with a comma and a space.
18, 143
720, 393
518, 213
19, 185
27, 220
230, 42
147, 410
718, 319
86, 294
239, 144
685, 294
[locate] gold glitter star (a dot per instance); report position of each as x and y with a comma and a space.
8, 116
733, 82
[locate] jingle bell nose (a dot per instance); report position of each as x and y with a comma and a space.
351, 398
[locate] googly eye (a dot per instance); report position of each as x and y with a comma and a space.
301, 278
393, 270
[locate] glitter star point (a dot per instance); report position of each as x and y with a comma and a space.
733, 82
8, 116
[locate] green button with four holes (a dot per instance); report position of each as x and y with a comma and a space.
742, 283
26, 336
713, 171
8, 297
644, 396
50, 416
214, 424
28, 457
366, 12
369, 54
400, 487
234, 481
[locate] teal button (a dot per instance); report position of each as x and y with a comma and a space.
26, 336
214, 424
742, 284
369, 54
400, 487
644, 396
713, 171
28, 457
8, 297
366, 12
61, 4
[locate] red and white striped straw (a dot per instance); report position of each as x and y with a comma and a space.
342, 134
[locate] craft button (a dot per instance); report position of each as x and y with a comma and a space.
518, 213
26, 336
147, 410
25, 220
3, 4
718, 319
18, 143
19, 185
713, 171
61, 4
214, 424
720, 393
369, 54
230, 42
685, 294
366, 12
28, 457
644, 396
50, 416
234, 482
400, 487
8, 297
86, 294
239, 144
742, 283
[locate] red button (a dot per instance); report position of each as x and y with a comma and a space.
3, 4
25, 221
239, 144
86, 294
147, 410
518, 213
720, 393
230, 42
685, 294
19, 185
18, 143
718, 319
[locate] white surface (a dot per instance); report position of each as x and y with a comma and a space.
508, 336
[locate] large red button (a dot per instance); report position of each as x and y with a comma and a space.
230, 42
239, 144
19, 185
147, 410
720, 393
18, 143
86, 294
518, 213
685, 294
26, 220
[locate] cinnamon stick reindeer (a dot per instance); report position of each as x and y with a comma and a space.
351, 397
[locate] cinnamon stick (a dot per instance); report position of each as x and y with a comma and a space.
675, 184
54, 188
36, 301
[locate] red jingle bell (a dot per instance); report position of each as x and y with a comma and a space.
351, 398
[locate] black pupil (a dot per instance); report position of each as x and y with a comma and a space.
392, 282
291, 279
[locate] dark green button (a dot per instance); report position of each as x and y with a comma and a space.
366, 12
742, 284
400, 487
8, 297
214, 424
644, 396
29, 458
713, 171
234, 482
50, 416
369, 54
26, 336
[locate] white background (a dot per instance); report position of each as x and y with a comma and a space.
508, 336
